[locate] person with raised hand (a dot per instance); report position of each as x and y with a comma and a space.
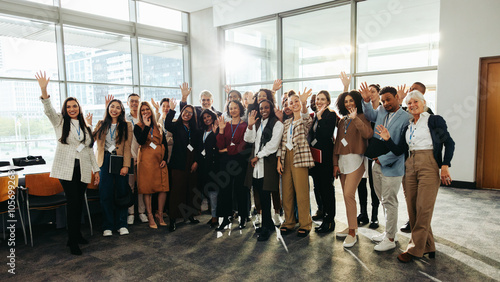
321, 138
265, 131
152, 172
294, 161
206, 101
74, 160
113, 136
183, 164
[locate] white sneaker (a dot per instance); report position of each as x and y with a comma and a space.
385, 245
277, 219
107, 233
123, 231
143, 218
349, 241
344, 233
130, 219
378, 238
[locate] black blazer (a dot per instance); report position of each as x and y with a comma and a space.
324, 135
181, 141
198, 110
209, 161
440, 137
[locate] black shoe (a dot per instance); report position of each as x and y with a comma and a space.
243, 223
193, 220
373, 224
258, 230
318, 216
326, 227
302, 233
82, 241
209, 222
75, 250
431, 254
264, 235
172, 225
406, 227
363, 219
223, 225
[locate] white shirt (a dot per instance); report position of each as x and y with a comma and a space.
110, 137
350, 162
76, 132
254, 136
418, 135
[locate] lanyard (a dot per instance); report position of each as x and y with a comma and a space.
388, 118
205, 135
112, 133
78, 130
189, 134
412, 131
151, 132
291, 131
347, 126
234, 131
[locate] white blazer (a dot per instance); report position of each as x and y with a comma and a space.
64, 160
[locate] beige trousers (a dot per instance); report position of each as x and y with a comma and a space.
349, 184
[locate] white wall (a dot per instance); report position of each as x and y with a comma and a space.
468, 31
205, 56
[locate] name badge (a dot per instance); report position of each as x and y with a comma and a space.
314, 142
203, 152
344, 142
152, 145
289, 146
80, 148
232, 144
190, 148
111, 149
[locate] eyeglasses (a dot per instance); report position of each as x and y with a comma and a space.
188, 113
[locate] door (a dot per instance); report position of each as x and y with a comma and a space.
488, 154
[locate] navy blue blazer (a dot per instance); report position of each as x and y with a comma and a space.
440, 137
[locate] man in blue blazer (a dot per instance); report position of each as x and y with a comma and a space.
388, 169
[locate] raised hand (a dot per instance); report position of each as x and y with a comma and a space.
305, 95
215, 126
227, 88
155, 104
252, 118
402, 93
172, 103
321, 111
147, 119
185, 91
383, 132
43, 81
277, 85
88, 119
365, 92
222, 124
346, 80
108, 99
353, 113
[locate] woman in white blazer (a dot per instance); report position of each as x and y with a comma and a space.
74, 161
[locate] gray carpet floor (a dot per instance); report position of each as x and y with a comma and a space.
465, 224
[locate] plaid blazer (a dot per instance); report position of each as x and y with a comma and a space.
64, 160
302, 156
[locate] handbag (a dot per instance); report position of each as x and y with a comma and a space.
126, 200
29, 160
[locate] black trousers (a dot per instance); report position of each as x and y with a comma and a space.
265, 202
322, 174
363, 194
231, 178
74, 191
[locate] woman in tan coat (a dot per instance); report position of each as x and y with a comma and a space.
152, 173
353, 133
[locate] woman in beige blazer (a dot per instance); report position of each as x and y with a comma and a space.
113, 136
74, 161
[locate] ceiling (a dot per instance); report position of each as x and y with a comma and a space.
184, 5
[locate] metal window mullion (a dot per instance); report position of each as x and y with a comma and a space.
354, 42
186, 54
279, 51
222, 50
61, 58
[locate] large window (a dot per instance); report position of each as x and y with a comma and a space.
117, 9
159, 16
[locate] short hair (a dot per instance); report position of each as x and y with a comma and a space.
206, 93
421, 85
416, 95
356, 96
327, 94
164, 100
376, 86
132, 95
234, 91
240, 105
388, 89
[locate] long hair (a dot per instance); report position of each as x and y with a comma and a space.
106, 123
269, 96
67, 123
153, 115
193, 124
211, 113
356, 96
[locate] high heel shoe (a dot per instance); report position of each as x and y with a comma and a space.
172, 226
326, 227
223, 225
159, 217
431, 254
152, 223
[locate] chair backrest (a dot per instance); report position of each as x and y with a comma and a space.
6, 183
43, 185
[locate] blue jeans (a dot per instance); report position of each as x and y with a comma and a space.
114, 218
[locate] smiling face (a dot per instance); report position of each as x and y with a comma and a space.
165, 107
233, 96
234, 110
265, 110
262, 96
390, 102
114, 110
349, 103
187, 114
145, 112
206, 102
207, 119
294, 103
133, 103
321, 101
72, 109
415, 106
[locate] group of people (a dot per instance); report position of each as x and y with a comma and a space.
253, 146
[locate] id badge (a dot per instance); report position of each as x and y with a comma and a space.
232, 144
80, 148
190, 148
111, 149
289, 146
203, 152
152, 145
344, 142
314, 142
